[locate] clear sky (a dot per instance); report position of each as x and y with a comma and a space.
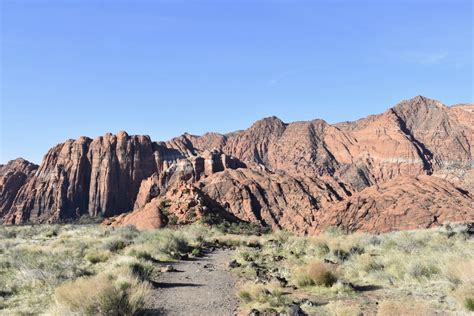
162, 68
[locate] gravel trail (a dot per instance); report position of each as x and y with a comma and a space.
203, 286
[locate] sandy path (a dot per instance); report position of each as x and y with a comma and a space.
200, 287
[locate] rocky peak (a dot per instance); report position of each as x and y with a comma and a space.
19, 164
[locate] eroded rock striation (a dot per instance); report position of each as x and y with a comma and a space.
400, 204
409, 167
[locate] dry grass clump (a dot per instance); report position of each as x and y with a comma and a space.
103, 294
340, 308
315, 273
462, 276
163, 243
142, 270
261, 296
97, 256
253, 292
405, 308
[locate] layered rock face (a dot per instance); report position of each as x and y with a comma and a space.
301, 176
84, 176
417, 136
400, 204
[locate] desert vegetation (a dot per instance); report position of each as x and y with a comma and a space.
420, 272
85, 269
97, 270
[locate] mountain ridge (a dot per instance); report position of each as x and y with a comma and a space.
103, 176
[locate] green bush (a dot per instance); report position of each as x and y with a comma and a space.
116, 245
143, 255
469, 304
142, 270
97, 256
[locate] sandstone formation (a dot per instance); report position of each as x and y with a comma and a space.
417, 136
396, 170
13, 176
400, 204
272, 199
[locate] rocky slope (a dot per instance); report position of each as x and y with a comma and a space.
300, 176
400, 204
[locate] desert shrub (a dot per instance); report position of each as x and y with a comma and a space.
369, 264
173, 245
302, 279
7, 232
252, 242
254, 292
356, 250
421, 271
410, 242
277, 298
245, 296
341, 254
164, 242
315, 273
128, 232
321, 274
229, 240
242, 228
251, 292
142, 270
35, 267
469, 303
142, 255
248, 256
116, 245
339, 308
97, 256
103, 295
322, 249
53, 231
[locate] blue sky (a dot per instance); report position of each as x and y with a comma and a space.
162, 68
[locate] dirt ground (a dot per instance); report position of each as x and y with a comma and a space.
202, 286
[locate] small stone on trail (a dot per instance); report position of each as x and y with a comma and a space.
168, 268
233, 264
295, 310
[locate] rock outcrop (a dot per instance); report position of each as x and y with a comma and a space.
417, 136
400, 204
13, 176
301, 176
84, 176
272, 199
